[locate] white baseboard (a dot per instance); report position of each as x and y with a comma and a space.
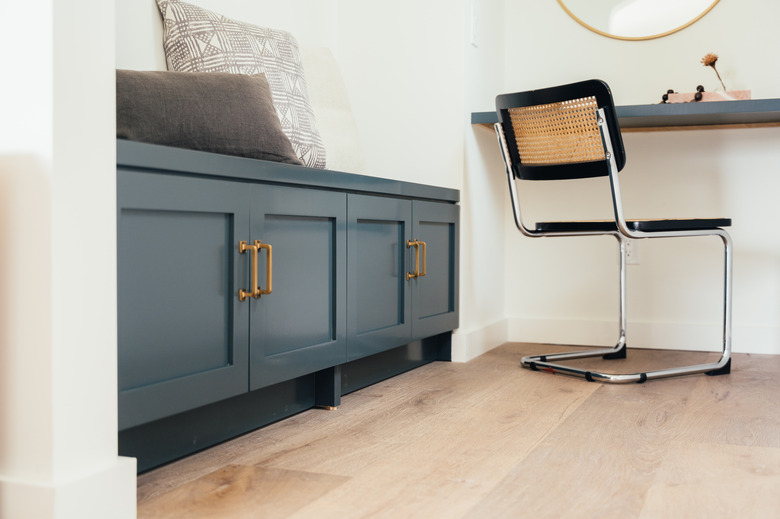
107, 492
467, 345
673, 336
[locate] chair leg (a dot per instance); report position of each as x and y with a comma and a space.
721, 367
621, 345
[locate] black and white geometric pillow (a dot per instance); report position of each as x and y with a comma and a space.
198, 40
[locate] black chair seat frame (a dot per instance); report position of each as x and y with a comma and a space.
622, 229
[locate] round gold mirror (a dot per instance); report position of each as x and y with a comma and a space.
636, 19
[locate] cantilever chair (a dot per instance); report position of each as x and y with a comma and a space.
568, 132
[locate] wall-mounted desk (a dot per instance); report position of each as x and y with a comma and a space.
754, 113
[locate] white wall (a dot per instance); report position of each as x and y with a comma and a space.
483, 322
403, 66
58, 410
549, 47
565, 290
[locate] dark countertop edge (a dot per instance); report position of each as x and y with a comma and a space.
484, 117
683, 114
144, 156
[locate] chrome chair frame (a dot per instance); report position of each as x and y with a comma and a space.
621, 233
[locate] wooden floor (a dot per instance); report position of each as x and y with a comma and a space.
488, 439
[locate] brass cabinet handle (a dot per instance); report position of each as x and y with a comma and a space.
424, 257
242, 248
269, 267
416, 245
255, 290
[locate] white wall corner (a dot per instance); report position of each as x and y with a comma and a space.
468, 345
108, 491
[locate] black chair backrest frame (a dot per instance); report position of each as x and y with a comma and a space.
562, 94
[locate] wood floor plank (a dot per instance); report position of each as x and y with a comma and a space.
742, 408
239, 491
460, 404
600, 461
714, 480
489, 439
454, 451
640, 360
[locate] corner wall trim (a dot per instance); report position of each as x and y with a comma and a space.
764, 340
109, 491
468, 345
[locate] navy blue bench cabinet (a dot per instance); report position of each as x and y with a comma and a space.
196, 364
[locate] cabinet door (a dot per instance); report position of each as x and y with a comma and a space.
300, 327
379, 313
435, 295
182, 332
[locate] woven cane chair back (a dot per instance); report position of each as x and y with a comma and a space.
553, 134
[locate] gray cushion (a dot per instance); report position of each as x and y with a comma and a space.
222, 113
199, 40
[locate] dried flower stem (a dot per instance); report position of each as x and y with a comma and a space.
719, 79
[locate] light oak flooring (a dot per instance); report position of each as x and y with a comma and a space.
489, 439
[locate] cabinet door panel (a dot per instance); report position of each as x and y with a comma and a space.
379, 263
304, 276
435, 295
300, 326
379, 298
159, 273
182, 333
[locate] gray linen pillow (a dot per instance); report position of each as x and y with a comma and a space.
199, 40
221, 113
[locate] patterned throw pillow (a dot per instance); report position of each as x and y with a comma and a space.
197, 40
